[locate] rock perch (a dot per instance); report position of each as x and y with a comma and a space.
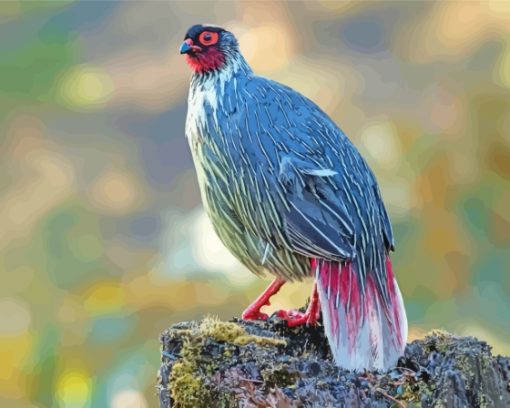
266, 364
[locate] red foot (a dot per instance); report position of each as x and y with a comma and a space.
253, 312
310, 317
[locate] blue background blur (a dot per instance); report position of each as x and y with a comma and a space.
103, 241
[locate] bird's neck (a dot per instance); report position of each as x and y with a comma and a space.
235, 66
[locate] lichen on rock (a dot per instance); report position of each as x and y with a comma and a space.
188, 373
232, 332
187, 387
267, 364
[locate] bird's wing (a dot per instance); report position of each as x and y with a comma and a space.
331, 198
317, 223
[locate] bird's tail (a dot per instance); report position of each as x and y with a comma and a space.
366, 327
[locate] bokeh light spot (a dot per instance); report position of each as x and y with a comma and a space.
73, 389
129, 399
86, 87
381, 141
104, 298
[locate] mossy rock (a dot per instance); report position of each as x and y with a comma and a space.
266, 364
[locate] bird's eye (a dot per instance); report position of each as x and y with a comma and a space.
208, 38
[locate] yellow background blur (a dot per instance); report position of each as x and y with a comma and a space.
103, 242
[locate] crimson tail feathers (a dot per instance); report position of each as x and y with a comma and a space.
366, 329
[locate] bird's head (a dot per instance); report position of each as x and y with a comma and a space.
208, 48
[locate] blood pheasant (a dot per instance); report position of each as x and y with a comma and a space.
288, 193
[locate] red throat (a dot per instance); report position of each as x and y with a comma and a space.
209, 60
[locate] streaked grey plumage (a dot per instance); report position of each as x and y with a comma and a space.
281, 183
277, 173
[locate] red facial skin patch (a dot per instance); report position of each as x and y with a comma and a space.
204, 59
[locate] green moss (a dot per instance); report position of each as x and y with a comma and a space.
186, 378
233, 333
221, 331
186, 385
259, 340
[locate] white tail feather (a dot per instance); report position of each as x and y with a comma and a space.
366, 334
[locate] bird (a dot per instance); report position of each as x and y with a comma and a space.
289, 194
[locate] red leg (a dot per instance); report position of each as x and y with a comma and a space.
253, 312
295, 318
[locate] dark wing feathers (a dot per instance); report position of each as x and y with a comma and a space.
315, 216
330, 194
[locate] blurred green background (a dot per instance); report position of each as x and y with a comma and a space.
103, 241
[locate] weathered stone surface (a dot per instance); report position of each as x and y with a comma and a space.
266, 364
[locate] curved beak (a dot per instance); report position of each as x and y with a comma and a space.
186, 46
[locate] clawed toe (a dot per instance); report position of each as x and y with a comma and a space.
254, 315
297, 318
